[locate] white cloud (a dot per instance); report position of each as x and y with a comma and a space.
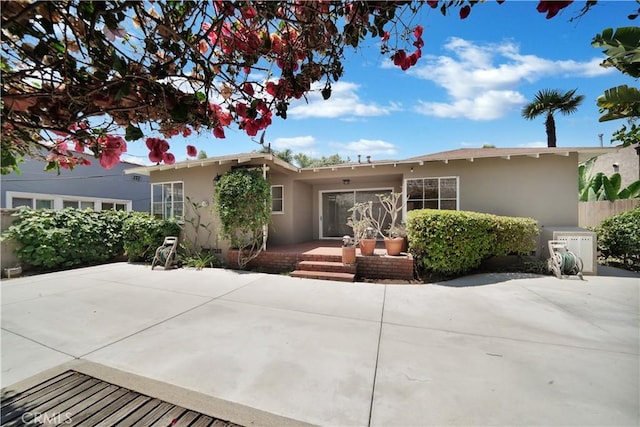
343, 103
481, 80
490, 105
294, 143
369, 147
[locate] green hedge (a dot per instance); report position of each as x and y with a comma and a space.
454, 242
619, 238
51, 239
143, 234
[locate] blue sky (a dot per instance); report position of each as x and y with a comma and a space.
466, 91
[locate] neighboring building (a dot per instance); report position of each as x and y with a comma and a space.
622, 160
83, 187
314, 203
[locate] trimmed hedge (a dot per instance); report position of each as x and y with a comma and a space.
66, 238
50, 240
143, 234
619, 238
454, 242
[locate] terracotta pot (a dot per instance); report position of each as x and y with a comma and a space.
349, 255
394, 245
367, 246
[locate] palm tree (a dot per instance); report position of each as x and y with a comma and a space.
549, 101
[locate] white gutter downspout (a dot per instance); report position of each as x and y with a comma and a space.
265, 227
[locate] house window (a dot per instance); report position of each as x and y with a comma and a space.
77, 204
167, 200
113, 206
277, 199
432, 193
33, 201
16, 199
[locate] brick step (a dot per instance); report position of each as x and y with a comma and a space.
337, 267
321, 257
324, 275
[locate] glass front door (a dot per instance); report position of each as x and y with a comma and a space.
335, 210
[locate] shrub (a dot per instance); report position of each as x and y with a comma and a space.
61, 239
619, 238
454, 242
143, 234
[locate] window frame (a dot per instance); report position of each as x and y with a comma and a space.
440, 199
281, 198
58, 200
162, 212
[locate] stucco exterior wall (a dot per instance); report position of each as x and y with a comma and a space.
543, 188
627, 161
198, 186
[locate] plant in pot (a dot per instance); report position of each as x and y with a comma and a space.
394, 239
364, 227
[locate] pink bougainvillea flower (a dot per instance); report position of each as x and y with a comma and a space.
385, 36
203, 47
248, 89
169, 158
465, 11
399, 57
417, 32
186, 131
551, 8
432, 3
119, 31
218, 132
192, 151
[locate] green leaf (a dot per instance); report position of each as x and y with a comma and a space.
133, 133
119, 64
200, 96
609, 190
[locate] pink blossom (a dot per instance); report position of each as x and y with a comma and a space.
218, 132
169, 158
191, 151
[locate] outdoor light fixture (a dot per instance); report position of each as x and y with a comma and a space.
346, 181
216, 178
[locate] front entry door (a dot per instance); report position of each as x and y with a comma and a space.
334, 210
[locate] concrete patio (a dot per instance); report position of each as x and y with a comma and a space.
492, 349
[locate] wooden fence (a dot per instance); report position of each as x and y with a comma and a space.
590, 214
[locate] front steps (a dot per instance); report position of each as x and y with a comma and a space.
324, 267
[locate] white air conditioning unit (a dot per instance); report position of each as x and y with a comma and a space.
580, 241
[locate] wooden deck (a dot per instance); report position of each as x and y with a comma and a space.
76, 399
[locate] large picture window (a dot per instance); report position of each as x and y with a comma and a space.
167, 200
432, 193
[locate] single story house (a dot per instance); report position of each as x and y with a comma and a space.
313, 203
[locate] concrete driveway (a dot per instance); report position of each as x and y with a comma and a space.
493, 349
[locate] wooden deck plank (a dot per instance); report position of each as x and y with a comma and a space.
202, 421
167, 418
8, 398
53, 405
53, 385
140, 413
81, 400
124, 411
152, 416
186, 419
95, 403
109, 409
25, 405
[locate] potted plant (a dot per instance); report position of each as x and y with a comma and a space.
364, 228
394, 240
348, 250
